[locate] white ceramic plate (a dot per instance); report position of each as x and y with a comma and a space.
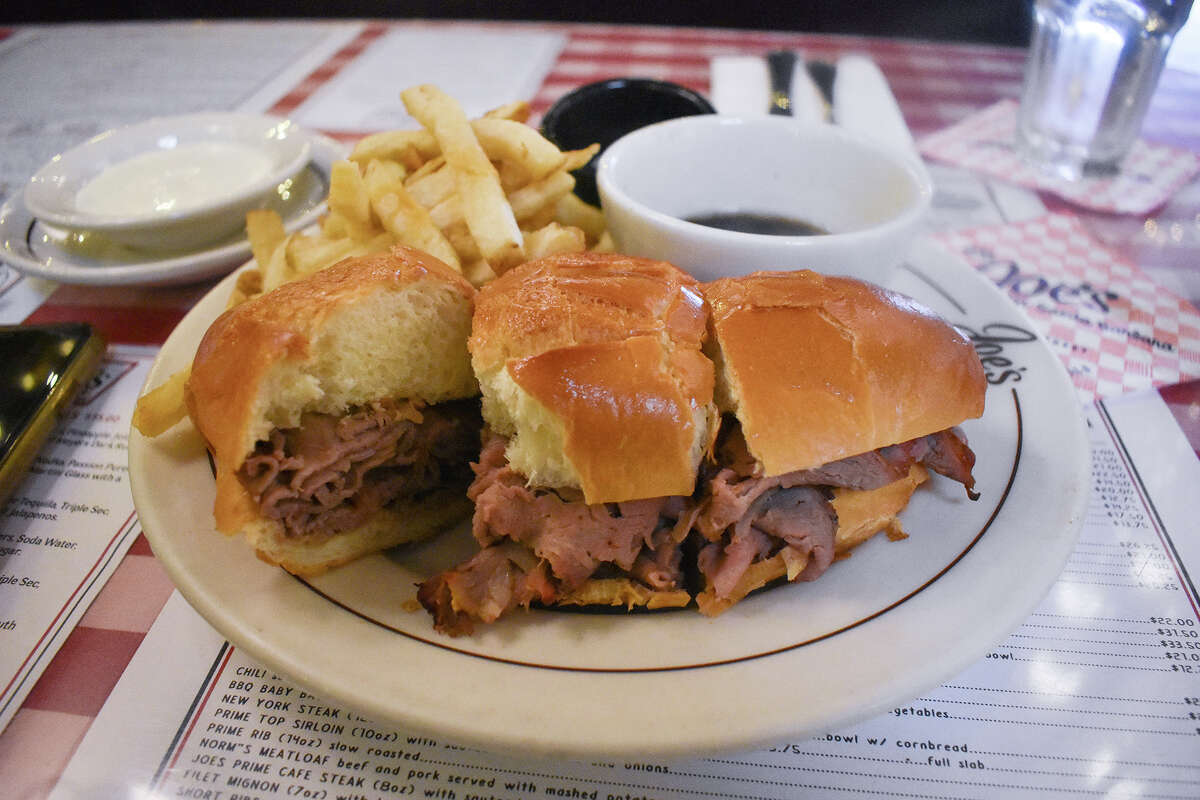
894, 620
36, 248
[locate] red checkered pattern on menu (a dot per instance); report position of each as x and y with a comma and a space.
1150, 174
1115, 330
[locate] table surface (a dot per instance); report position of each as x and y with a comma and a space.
936, 84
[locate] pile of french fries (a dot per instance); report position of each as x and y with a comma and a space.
482, 195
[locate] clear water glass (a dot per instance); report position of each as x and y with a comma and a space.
1092, 69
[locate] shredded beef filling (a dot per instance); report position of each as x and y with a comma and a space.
493, 581
746, 519
539, 544
333, 473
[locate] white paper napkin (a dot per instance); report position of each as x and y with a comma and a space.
862, 100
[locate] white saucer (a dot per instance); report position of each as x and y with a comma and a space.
34, 248
170, 183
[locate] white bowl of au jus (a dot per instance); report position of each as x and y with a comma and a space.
169, 183
719, 195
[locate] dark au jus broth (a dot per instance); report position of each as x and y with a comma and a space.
750, 222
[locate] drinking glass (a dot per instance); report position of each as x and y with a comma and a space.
1093, 66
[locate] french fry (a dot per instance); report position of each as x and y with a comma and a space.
249, 284
394, 146
277, 271
348, 198
430, 187
605, 244
512, 175
381, 177
580, 158
264, 230
460, 239
309, 254
404, 217
426, 168
485, 208
528, 200
571, 210
539, 219
517, 110
376, 244
448, 213
513, 142
467, 191
334, 226
163, 406
479, 272
552, 239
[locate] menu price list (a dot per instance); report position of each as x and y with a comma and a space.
67, 524
260, 736
1096, 694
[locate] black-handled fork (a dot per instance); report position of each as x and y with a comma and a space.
780, 64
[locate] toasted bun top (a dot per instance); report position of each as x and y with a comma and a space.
391, 325
591, 364
820, 368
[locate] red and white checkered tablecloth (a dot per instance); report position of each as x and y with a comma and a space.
935, 84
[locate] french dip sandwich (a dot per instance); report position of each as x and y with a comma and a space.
598, 407
836, 396
341, 410
605, 478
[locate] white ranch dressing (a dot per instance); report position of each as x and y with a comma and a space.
170, 181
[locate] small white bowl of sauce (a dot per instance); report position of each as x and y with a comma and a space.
720, 195
170, 183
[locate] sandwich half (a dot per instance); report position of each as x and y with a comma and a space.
340, 410
837, 398
597, 401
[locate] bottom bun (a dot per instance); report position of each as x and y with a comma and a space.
615, 592
862, 514
396, 524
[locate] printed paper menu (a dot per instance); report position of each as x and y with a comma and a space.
64, 530
1114, 328
1098, 693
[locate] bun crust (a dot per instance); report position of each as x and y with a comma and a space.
820, 368
591, 364
392, 325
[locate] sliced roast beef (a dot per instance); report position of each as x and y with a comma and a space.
746, 519
798, 517
574, 538
330, 474
540, 544
495, 580
660, 566
945, 452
